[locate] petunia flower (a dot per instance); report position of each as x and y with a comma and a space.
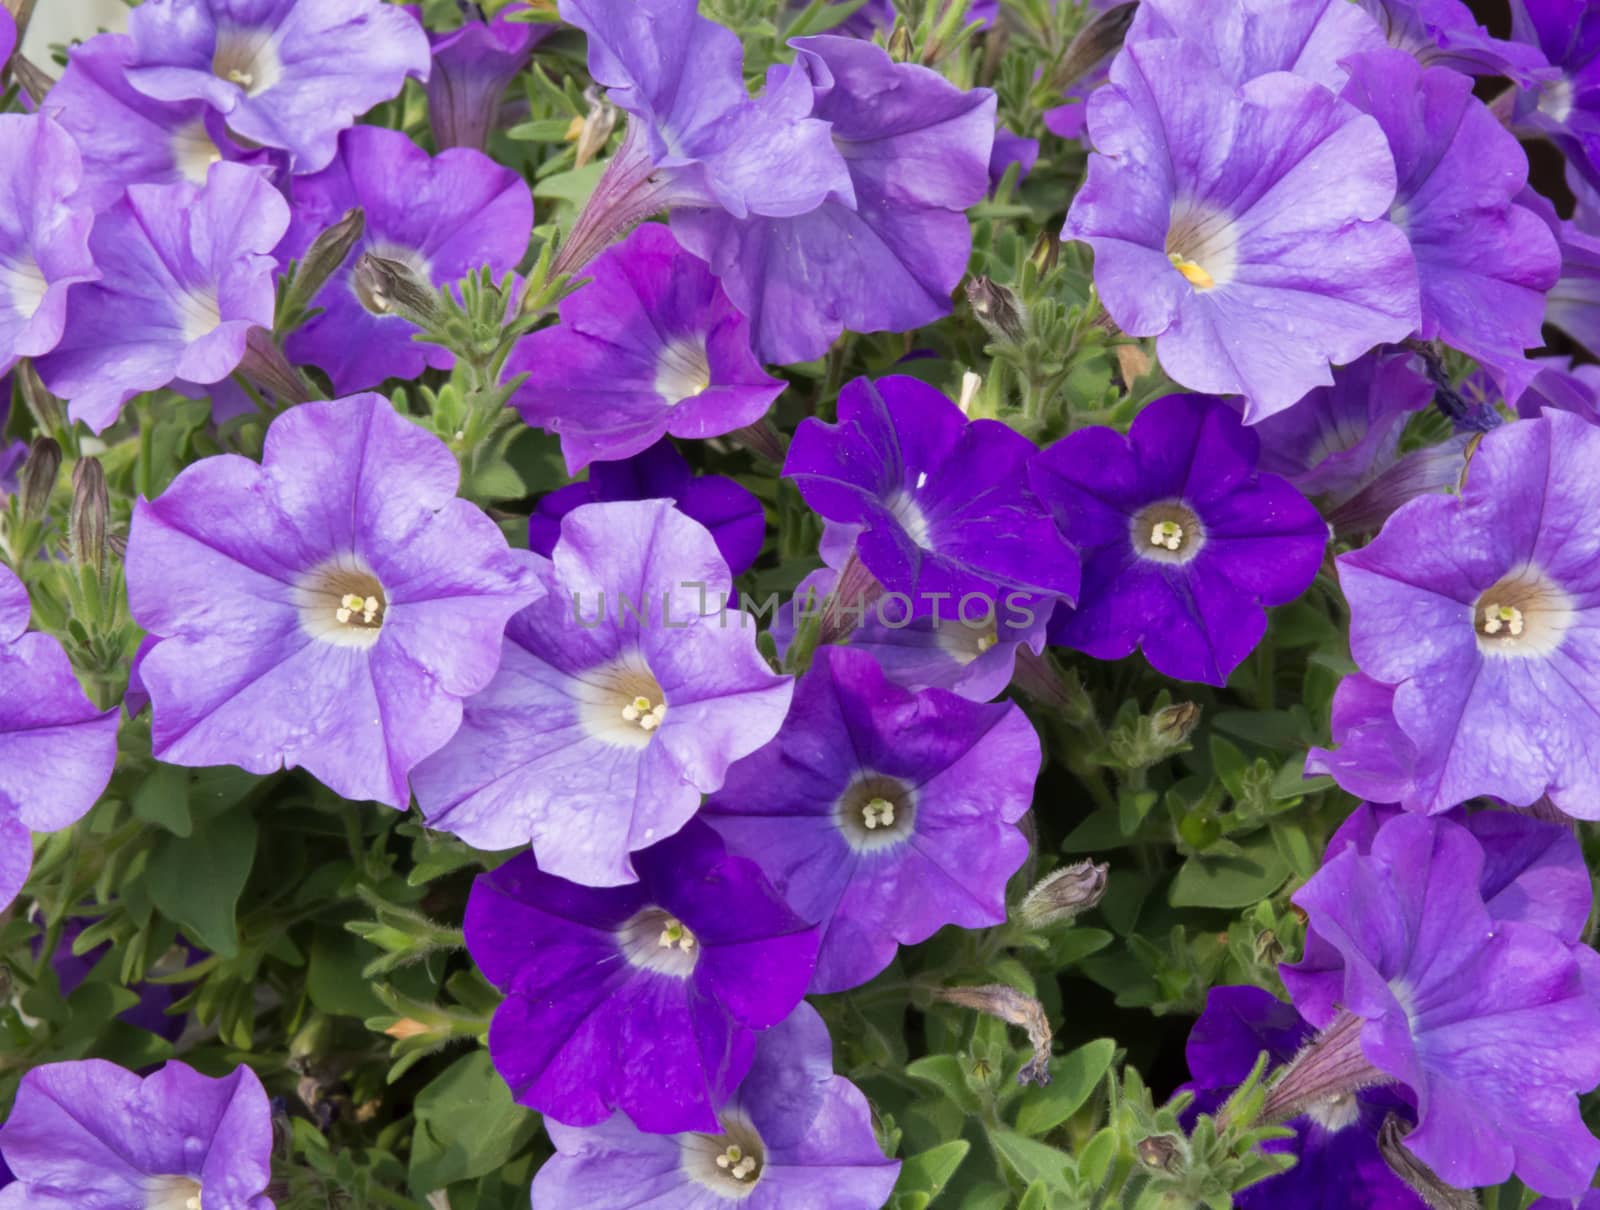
56, 750
1335, 1144
1184, 541
643, 998
794, 1133
1484, 262
44, 234
1472, 624
1479, 1001
943, 506
185, 273
88, 1133
1573, 303
329, 608
1244, 39
1563, 105
882, 814
442, 217
622, 697
8, 36
472, 66
1445, 33
1243, 226
735, 518
650, 346
1563, 384
290, 74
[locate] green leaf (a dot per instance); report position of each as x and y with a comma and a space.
1032, 1160
574, 186
1231, 882
467, 1125
163, 799
1073, 1077
929, 1171
334, 980
196, 880
944, 1073
1034, 1198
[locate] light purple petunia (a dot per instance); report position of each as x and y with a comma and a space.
1244, 39
643, 998
1245, 227
1445, 33
1564, 106
1484, 262
886, 254
1573, 303
127, 138
289, 74
622, 697
1184, 540
89, 1134
472, 67
883, 814
942, 502
329, 608
650, 346
8, 35
1565, 385
1448, 958
1474, 623
737, 522
44, 234
793, 1135
56, 750
441, 216
186, 272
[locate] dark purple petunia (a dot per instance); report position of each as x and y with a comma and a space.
289, 74
56, 750
1564, 105
737, 522
472, 67
185, 273
793, 1135
329, 608
150, 1013
649, 346
441, 216
644, 998
943, 503
1184, 540
91, 1135
1573, 303
1335, 1145
883, 814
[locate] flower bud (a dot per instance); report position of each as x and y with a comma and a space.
1063, 894
31, 78
1094, 42
323, 259
86, 519
1148, 739
1014, 1008
1173, 724
595, 129
1046, 251
1433, 1191
900, 47
971, 384
48, 412
389, 287
1163, 1152
38, 478
997, 309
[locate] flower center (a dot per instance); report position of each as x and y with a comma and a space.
193, 152
200, 313
904, 508
1556, 98
621, 703
653, 939
1203, 245
729, 1164
248, 58
172, 1193
876, 812
1523, 614
342, 603
23, 285
683, 371
1336, 1113
1168, 531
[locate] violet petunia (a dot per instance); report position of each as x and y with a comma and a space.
1473, 623
290, 74
944, 510
794, 1134
150, 1012
56, 750
621, 698
44, 234
883, 814
1446, 33
1244, 39
329, 608
472, 66
1565, 385
1573, 303
643, 998
185, 273
8, 36
1564, 105
90, 1134
1335, 1144
1245, 227
886, 258
737, 522
1185, 541
1477, 1001
1484, 262
649, 346
442, 217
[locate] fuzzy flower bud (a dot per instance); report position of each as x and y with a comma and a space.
86, 520
1014, 1008
1160, 1151
1433, 1191
1174, 724
38, 477
48, 412
389, 287
324, 258
1093, 43
1063, 894
900, 46
996, 308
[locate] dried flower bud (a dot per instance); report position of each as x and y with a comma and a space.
1046, 251
389, 287
38, 478
900, 48
996, 308
1014, 1008
266, 365
31, 78
86, 519
595, 130
323, 259
971, 384
1133, 363
1160, 1151
1063, 894
1428, 1186
48, 412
